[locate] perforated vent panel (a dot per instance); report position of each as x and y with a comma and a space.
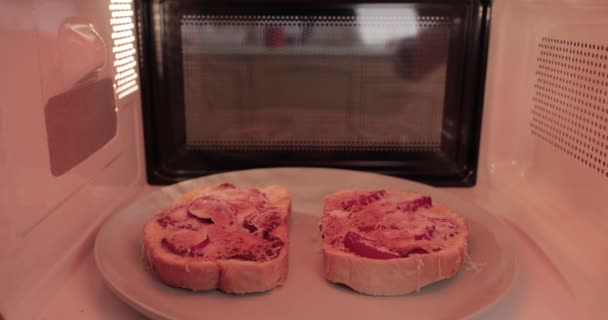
123, 35
570, 101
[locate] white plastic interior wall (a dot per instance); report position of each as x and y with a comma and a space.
555, 193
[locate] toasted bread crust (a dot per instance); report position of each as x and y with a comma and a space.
396, 276
390, 277
228, 275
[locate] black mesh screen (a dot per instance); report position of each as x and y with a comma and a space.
386, 87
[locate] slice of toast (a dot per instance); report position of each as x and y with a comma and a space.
221, 237
389, 242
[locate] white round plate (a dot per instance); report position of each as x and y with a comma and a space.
306, 295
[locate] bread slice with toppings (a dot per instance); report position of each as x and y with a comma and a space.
223, 237
390, 242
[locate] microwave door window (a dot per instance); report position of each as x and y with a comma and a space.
366, 80
379, 87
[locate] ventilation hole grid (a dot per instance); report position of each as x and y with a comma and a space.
570, 103
124, 43
332, 21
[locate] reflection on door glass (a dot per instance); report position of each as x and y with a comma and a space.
371, 78
372, 35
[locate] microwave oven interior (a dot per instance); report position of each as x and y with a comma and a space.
394, 88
